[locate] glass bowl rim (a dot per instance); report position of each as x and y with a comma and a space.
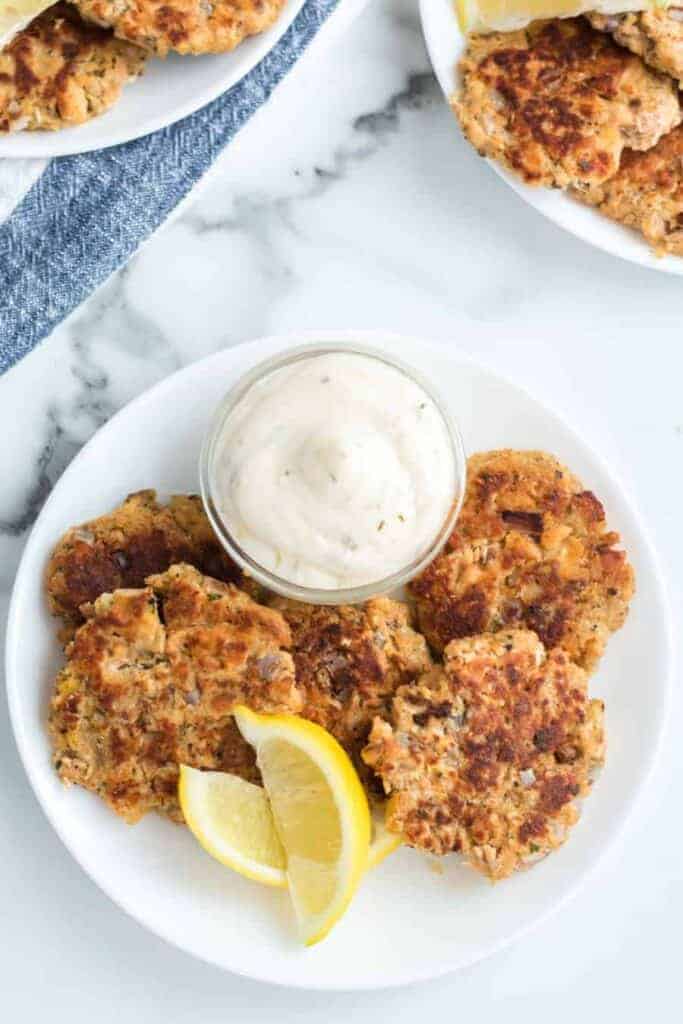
279, 584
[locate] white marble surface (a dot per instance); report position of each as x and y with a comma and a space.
351, 201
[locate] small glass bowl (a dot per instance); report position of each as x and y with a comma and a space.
264, 576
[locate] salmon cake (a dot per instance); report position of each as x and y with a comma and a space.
646, 194
183, 26
151, 680
124, 547
558, 102
349, 660
61, 71
487, 755
656, 36
531, 549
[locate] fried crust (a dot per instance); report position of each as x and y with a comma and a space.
487, 755
183, 26
61, 71
656, 36
349, 661
557, 102
531, 549
151, 680
122, 548
647, 194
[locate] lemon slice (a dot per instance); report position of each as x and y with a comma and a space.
321, 814
233, 821
16, 15
383, 841
507, 15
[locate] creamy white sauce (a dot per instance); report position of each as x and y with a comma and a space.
336, 471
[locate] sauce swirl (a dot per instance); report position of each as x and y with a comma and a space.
335, 471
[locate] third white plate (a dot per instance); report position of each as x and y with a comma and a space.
446, 45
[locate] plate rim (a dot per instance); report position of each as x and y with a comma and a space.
534, 197
660, 582
46, 145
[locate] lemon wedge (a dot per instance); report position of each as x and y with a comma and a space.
15, 15
233, 821
383, 841
320, 811
507, 15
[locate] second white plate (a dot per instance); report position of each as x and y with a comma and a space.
168, 91
446, 45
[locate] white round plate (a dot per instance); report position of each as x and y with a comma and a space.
446, 45
409, 920
168, 90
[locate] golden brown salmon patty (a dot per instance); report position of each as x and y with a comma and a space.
124, 547
186, 26
647, 194
61, 71
151, 680
656, 36
557, 102
487, 755
349, 661
531, 548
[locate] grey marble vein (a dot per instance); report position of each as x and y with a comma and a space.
373, 127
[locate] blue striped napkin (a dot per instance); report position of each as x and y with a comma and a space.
87, 214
